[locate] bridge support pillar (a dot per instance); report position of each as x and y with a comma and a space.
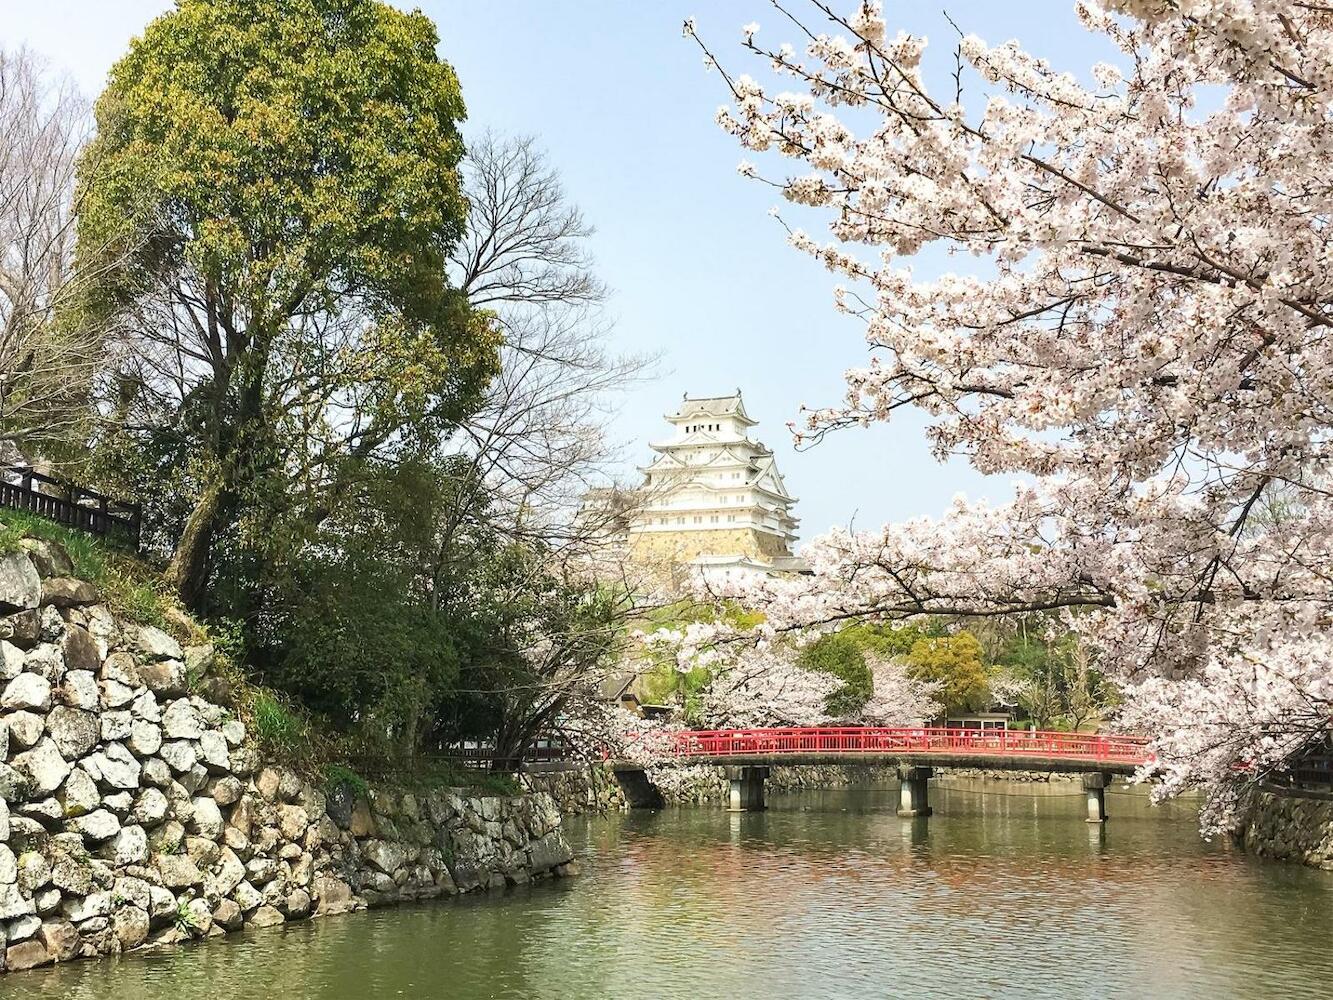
747, 788
1095, 785
913, 798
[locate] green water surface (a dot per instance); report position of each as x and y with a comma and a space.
1004, 892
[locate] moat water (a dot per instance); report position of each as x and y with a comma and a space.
1005, 891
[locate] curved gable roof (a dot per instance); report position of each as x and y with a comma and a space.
712, 406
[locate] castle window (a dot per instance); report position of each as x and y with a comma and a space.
713, 519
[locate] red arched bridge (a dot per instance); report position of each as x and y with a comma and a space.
915, 751
1012, 749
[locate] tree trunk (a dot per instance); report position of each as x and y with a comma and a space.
187, 572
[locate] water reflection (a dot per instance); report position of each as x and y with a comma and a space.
1005, 890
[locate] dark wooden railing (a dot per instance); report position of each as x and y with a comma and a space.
1314, 767
541, 752
23, 488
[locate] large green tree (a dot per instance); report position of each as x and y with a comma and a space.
1054, 679
840, 655
955, 663
277, 183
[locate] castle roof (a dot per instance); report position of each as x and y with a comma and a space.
712, 406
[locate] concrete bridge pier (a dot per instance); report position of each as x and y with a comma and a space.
747, 788
913, 797
1095, 785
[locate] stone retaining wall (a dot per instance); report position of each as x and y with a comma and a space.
136, 814
1290, 825
594, 788
830, 776
1000, 774
589, 789
695, 785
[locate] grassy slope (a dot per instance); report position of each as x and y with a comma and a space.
132, 588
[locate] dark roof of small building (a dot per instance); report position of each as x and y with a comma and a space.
614, 686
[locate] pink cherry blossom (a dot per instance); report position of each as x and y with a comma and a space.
1145, 333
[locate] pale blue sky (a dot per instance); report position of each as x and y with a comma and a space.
699, 271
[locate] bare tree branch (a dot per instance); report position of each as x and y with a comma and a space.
48, 353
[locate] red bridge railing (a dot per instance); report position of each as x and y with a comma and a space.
877, 740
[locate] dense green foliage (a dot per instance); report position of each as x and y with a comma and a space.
839, 654
344, 624
897, 640
355, 646
955, 663
1052, 681
273, 194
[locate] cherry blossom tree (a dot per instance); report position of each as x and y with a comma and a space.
763, 683
767, 688
1144, 334
898, 699
599, 729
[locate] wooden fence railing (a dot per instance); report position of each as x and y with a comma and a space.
470, 757
23, 488
1314, 768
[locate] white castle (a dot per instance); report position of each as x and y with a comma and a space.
712, 499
